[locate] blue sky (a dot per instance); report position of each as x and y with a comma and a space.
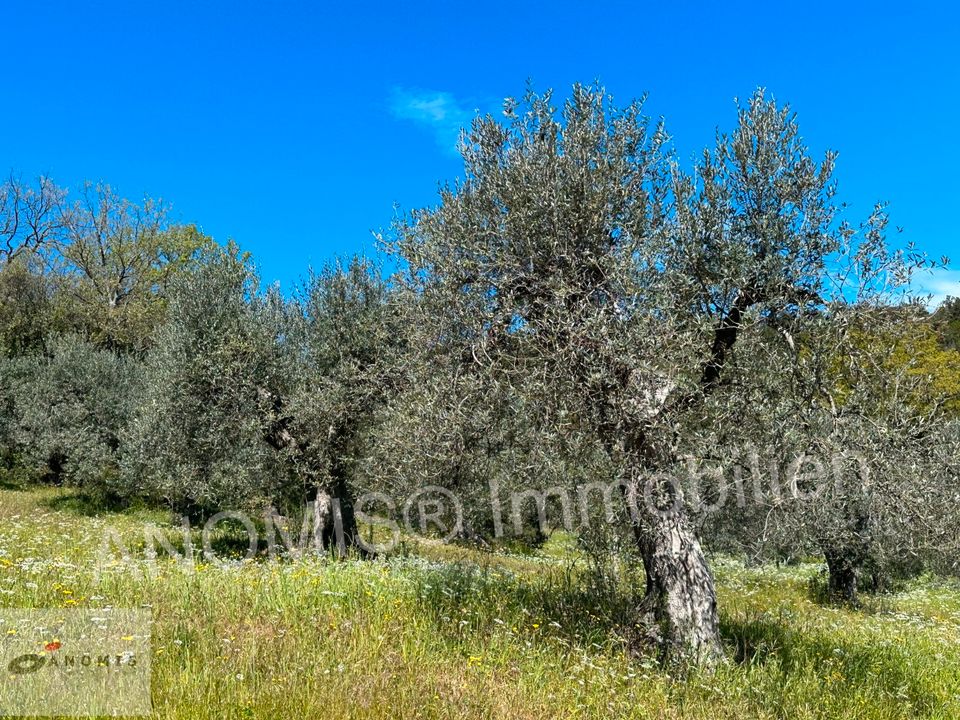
297, 128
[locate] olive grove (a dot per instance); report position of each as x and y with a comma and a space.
581, 310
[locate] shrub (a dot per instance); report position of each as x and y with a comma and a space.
67, 409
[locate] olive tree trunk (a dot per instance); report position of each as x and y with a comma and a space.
335, 524
679, 610
844, 575
334, 518
848, 553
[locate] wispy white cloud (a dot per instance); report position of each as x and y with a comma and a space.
439, 112
939, 283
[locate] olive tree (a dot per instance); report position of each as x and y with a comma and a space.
862, 431
346, 339
515, 477
577, 262
198, 439
69, 408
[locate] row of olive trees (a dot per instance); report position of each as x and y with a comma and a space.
239, 398
578, 308
251, 400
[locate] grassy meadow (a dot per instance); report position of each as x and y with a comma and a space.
444, 632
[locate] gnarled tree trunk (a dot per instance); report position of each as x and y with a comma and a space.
680, 606
335, 522
844, 574
679, 610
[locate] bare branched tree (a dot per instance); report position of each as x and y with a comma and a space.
31, 216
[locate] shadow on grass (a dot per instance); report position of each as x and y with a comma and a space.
564, 603
755, 640
846, 666
464, 601
9, 483
76, 502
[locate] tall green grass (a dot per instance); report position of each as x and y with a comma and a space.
445, 632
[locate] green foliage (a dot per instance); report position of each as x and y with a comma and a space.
858, 453
198, 436
947, 321
99, 267
901, 345
347, 337
68, 409
118, 260
24, 310
934, 367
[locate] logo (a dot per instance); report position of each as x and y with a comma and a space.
75, 662
34, 662
29, 663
